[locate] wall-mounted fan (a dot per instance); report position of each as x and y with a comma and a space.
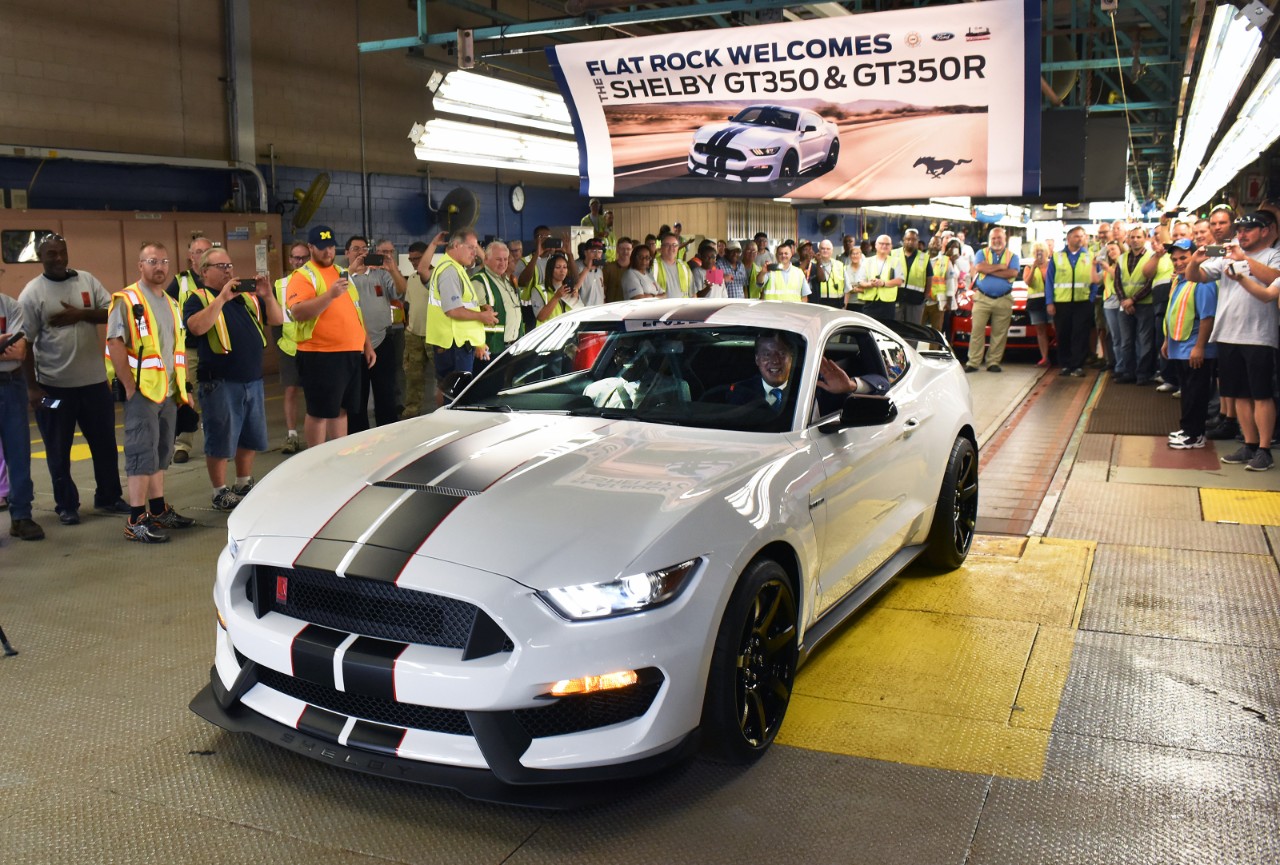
829, 224
459, 210
309, 202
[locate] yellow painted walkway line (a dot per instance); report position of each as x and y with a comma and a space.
960, 671
1249, 507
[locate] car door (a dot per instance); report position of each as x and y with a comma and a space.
813, 142
865, 492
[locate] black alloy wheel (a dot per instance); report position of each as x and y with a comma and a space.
833, 156
790, 165
956, 516
753, 666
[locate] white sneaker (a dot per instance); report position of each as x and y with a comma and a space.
1186, 444
1166, 387
1177, 434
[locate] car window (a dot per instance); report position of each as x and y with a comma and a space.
690, 374
855, 351
894, 356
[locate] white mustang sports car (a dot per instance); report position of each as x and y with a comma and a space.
765, 143
619, 542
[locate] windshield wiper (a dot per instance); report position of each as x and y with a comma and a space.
506, 409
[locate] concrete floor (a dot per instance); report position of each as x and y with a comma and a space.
1142, 728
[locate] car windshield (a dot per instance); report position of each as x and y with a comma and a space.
766, 116
686, 374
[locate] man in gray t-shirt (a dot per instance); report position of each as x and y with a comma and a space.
376, 289
67, 379
1245, 329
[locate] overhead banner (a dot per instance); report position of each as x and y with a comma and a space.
882, 106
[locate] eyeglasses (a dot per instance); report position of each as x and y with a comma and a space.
153, 262
221, 265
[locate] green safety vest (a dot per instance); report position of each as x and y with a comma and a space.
442, 330
683, 274
885, 294
1071, 284
1035, 284
915, 277
495, 334
938, 279
833, 285
288, 341
1133, 280
784, 285
219, 338
304, 329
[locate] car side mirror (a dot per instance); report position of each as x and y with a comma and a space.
455, 383
810, 128
863, 410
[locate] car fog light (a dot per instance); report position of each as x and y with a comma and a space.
590, 684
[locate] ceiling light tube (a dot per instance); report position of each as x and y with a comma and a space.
449, 141
468, 93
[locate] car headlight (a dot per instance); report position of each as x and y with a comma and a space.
765, 151
233, 546
621, 596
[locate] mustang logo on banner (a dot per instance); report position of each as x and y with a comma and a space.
836, 109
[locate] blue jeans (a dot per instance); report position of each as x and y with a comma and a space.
1133, 355
1115, 335
15, 440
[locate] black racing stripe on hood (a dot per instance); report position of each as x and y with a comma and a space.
469, 474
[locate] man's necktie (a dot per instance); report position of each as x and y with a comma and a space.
775, 396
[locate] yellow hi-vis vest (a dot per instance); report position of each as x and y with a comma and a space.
219, 339
1132, 280
915, 277
526, 292
288, 341
186, 284
877, 269
1035, 282
442, 330
784, 285
683, 275
1071, 284
938, 277
304, 329
145, 358
833, 285
1180, 314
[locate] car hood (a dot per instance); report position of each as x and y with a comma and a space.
514, 494
741, 134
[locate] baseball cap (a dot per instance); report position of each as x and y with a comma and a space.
321, 236
733, 244
595, 243
1183, 243
1257, 219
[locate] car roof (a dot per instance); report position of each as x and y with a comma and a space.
807, 320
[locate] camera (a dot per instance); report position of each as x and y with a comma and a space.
551, 243
374, 259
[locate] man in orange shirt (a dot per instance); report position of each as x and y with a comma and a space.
332, 342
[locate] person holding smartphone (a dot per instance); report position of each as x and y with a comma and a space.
379, 297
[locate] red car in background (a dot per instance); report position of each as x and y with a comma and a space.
1022, 333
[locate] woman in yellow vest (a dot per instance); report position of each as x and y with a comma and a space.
555, 295
1034, 275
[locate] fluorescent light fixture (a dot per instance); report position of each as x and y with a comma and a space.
476, 96
441, 140
1229, 53
1254, 131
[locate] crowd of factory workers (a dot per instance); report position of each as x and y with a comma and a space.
1188, 306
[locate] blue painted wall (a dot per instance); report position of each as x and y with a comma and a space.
398, 204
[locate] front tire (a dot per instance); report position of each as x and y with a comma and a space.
833, 156
956, 515
753, 666
790, 165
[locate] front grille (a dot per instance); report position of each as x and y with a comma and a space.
589, 711
719, 152
376, 609
369, 708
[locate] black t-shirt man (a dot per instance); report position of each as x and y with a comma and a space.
244, 362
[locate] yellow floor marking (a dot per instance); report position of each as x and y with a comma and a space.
1255, 508
78, 452
960, 671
